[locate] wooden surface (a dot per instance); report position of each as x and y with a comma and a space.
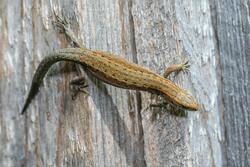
112, 126
232, 25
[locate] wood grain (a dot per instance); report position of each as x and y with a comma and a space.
110, 127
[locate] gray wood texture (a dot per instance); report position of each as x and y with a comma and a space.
232, 25
113, 126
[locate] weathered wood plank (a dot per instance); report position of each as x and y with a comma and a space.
112, 126
170, 32
103, 129
232, 24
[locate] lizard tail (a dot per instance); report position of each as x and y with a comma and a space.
43, 68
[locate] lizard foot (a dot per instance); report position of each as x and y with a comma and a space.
185, 67
63, 26
61, 23
78, 85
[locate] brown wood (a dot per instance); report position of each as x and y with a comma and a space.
112, 126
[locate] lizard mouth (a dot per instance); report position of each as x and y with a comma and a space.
192, 107
190, 104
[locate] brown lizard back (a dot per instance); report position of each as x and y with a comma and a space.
116, 71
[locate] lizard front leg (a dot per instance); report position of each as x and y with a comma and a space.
171, 69
176, 68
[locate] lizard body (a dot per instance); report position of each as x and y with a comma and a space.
116, 71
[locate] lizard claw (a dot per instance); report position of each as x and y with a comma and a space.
78, 85
185, 67
61, 23
177, 68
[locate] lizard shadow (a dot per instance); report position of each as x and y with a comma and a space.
169, 108
116, 124
175, 111
110, 115
121, 134
131, 144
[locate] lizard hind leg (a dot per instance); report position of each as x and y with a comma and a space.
62, 24
77, 85
176, 68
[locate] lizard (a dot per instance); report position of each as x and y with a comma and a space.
113, 70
